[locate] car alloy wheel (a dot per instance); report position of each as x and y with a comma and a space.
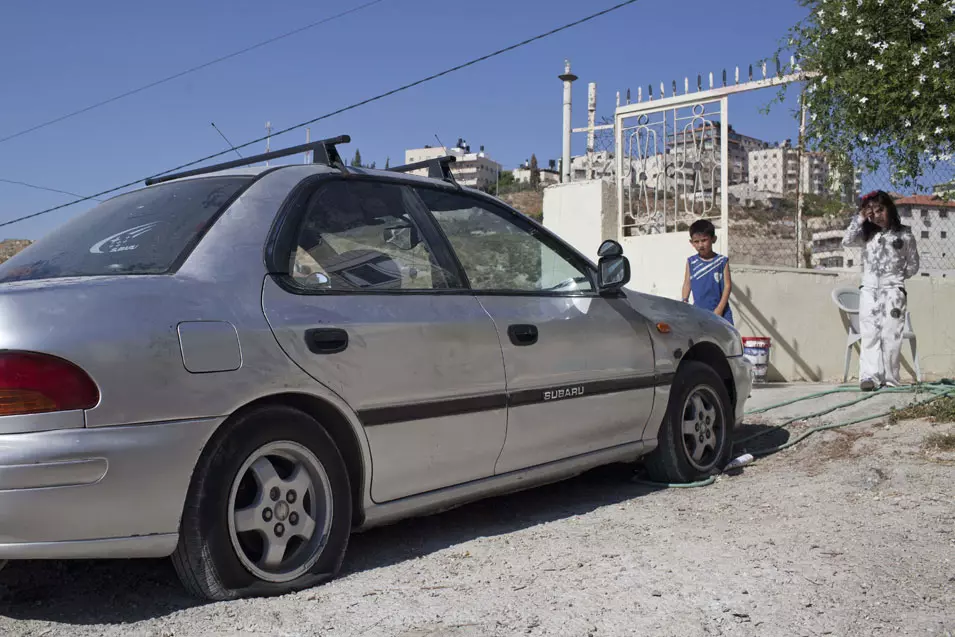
280, 511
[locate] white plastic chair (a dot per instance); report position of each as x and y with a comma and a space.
847, 300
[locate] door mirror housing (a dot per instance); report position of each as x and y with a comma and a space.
610, 248
613, 269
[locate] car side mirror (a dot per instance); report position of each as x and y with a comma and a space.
610, 248
402, 237
613, 269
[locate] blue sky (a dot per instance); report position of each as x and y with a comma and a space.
60, 56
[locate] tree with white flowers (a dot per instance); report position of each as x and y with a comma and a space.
882, 84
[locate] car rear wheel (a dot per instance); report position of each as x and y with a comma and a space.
695, 438
268, 510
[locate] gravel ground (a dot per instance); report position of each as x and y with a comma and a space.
850, 533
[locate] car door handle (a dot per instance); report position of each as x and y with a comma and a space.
522, 335
326, 340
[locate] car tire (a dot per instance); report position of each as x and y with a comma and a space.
268, 509
695, 438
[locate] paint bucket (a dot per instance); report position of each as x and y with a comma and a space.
756, 351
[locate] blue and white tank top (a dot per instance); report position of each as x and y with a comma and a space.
706, 280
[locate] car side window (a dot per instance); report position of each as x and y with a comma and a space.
360, 236
498, 253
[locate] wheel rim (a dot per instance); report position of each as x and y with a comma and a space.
704, 429
280, 511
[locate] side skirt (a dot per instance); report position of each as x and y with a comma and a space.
453, 497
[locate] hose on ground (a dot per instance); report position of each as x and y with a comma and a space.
940, 389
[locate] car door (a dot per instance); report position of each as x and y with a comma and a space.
365, 302
580, 367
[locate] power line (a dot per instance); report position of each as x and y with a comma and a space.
34, 186
188, 71
339, 111
225, 138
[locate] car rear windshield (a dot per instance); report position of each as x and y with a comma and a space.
150, 231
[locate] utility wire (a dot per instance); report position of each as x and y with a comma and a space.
188, 71
226, 139
34, 186
339, 111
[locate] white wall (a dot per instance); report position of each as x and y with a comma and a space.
795, 309
582, 213
792, 307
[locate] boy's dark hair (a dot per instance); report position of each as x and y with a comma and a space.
703, 226
881, 197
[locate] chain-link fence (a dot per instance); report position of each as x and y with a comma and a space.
787, 206
928, 209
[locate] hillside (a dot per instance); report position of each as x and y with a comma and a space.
9, 247
530, 202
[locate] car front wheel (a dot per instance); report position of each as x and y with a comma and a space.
695, 438
268, 511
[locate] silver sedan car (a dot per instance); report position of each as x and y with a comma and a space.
239, 366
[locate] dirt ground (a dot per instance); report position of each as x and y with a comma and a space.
850, 533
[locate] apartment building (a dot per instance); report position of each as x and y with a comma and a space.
932, 220
548, 175
472, 169
704, 142
779, 170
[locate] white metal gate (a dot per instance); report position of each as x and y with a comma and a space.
673, 156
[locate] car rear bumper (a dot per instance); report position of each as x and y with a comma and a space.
743, 378
97, 492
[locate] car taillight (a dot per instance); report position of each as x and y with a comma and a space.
32, 383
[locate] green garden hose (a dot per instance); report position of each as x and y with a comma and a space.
940, 389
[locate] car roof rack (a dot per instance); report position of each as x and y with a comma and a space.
323, 152
438, 168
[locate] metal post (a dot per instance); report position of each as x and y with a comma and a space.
308, 138
799, 155
568, 79
725, 175
268, 139
618, 158
591, 122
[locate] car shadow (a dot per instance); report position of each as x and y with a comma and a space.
84, 592
748, 438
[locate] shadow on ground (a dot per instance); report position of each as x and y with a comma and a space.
123, 591
757, 437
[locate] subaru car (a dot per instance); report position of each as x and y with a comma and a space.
240, 365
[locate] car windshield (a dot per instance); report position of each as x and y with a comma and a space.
150, 231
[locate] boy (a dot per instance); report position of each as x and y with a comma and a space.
707, 273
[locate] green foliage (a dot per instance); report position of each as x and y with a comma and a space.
941, 410
505, 183
884, 84
506, 179
495, 260
823, 206
535, 172
357, 160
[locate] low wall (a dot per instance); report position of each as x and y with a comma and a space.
658, 262
795, 309
792, 307
582, 213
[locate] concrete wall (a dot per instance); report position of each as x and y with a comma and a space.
658, 262
792, 307
795, 309
582, 213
